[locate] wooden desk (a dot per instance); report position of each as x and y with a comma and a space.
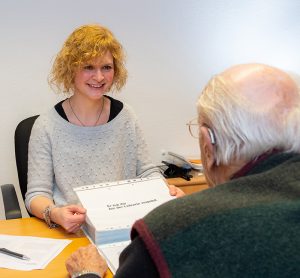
35, 227
197, 183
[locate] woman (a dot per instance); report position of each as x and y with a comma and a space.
88, 137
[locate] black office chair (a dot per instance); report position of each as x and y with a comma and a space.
12, 208
22, 135
10, 200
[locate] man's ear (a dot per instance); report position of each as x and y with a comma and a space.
207, 142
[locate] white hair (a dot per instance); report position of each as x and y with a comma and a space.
242, 130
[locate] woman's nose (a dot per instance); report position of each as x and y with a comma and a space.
98, 75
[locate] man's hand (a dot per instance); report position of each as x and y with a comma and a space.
175, 191
86, 258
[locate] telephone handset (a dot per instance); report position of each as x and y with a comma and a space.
181, 161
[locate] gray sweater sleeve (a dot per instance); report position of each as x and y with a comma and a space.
144, 167
40, 168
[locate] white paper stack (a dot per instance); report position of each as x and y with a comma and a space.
113, 207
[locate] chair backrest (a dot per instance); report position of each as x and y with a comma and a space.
22, 135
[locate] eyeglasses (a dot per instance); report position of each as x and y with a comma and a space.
193, 126
194, 130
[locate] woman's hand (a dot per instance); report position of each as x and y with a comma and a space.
70, 217
175, 191
86, 258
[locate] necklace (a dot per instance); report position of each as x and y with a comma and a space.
80, 120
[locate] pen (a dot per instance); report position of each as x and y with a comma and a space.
13, 254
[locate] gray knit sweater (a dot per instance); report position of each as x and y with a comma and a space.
62, 155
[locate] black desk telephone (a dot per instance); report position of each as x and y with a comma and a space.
174, 171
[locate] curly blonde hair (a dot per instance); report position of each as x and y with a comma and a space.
84, 44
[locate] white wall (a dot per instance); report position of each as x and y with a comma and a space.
173, 48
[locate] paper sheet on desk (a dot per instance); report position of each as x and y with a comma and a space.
40, 251
111, 253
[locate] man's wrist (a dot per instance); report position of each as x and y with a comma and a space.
84, 272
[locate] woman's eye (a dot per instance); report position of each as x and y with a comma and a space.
107, 67
88, 67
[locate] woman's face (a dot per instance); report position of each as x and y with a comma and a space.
94, 78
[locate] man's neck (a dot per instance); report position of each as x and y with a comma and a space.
251, 164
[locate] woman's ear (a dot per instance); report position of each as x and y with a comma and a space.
207, 142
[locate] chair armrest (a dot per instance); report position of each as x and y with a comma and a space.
10, 202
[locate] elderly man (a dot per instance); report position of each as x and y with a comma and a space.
248, 223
